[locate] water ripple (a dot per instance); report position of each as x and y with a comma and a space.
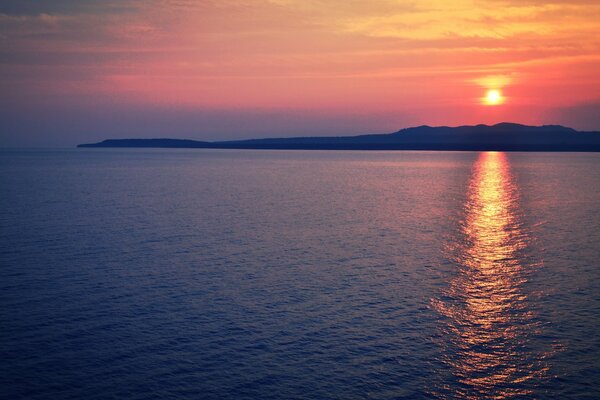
489, 323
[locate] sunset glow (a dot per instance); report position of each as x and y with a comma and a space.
493, 98
300, 199
487, 314
237, 68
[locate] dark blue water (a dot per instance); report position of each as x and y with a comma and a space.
291, 275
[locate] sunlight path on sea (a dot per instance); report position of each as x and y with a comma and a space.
488, 322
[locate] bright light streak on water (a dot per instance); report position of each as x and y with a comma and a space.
490, 324
214, 274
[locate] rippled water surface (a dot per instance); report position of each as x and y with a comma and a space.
223, 274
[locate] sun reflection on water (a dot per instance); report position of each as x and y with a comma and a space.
488, 320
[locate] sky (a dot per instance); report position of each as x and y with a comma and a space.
79, 71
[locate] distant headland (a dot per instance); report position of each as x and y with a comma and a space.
499, 137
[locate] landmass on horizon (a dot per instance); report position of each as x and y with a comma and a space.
500, 137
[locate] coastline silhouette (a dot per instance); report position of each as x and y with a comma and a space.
499, 137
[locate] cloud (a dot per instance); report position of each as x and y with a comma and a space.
37, 7
437, 19
494, 81
356, 56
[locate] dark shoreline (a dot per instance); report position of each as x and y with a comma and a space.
500, 137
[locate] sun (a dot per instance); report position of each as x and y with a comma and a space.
493, 97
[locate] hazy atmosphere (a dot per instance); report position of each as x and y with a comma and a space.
81, 71
300, 199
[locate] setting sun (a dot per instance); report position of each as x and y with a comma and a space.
493, 97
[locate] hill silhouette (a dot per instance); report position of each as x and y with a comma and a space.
499, 137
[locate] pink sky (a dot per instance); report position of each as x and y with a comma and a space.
76, 71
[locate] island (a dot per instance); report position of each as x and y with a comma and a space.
500, 137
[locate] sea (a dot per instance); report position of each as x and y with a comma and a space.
256, 274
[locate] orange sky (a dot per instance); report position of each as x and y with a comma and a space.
381, 65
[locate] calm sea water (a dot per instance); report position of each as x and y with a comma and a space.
220, 274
